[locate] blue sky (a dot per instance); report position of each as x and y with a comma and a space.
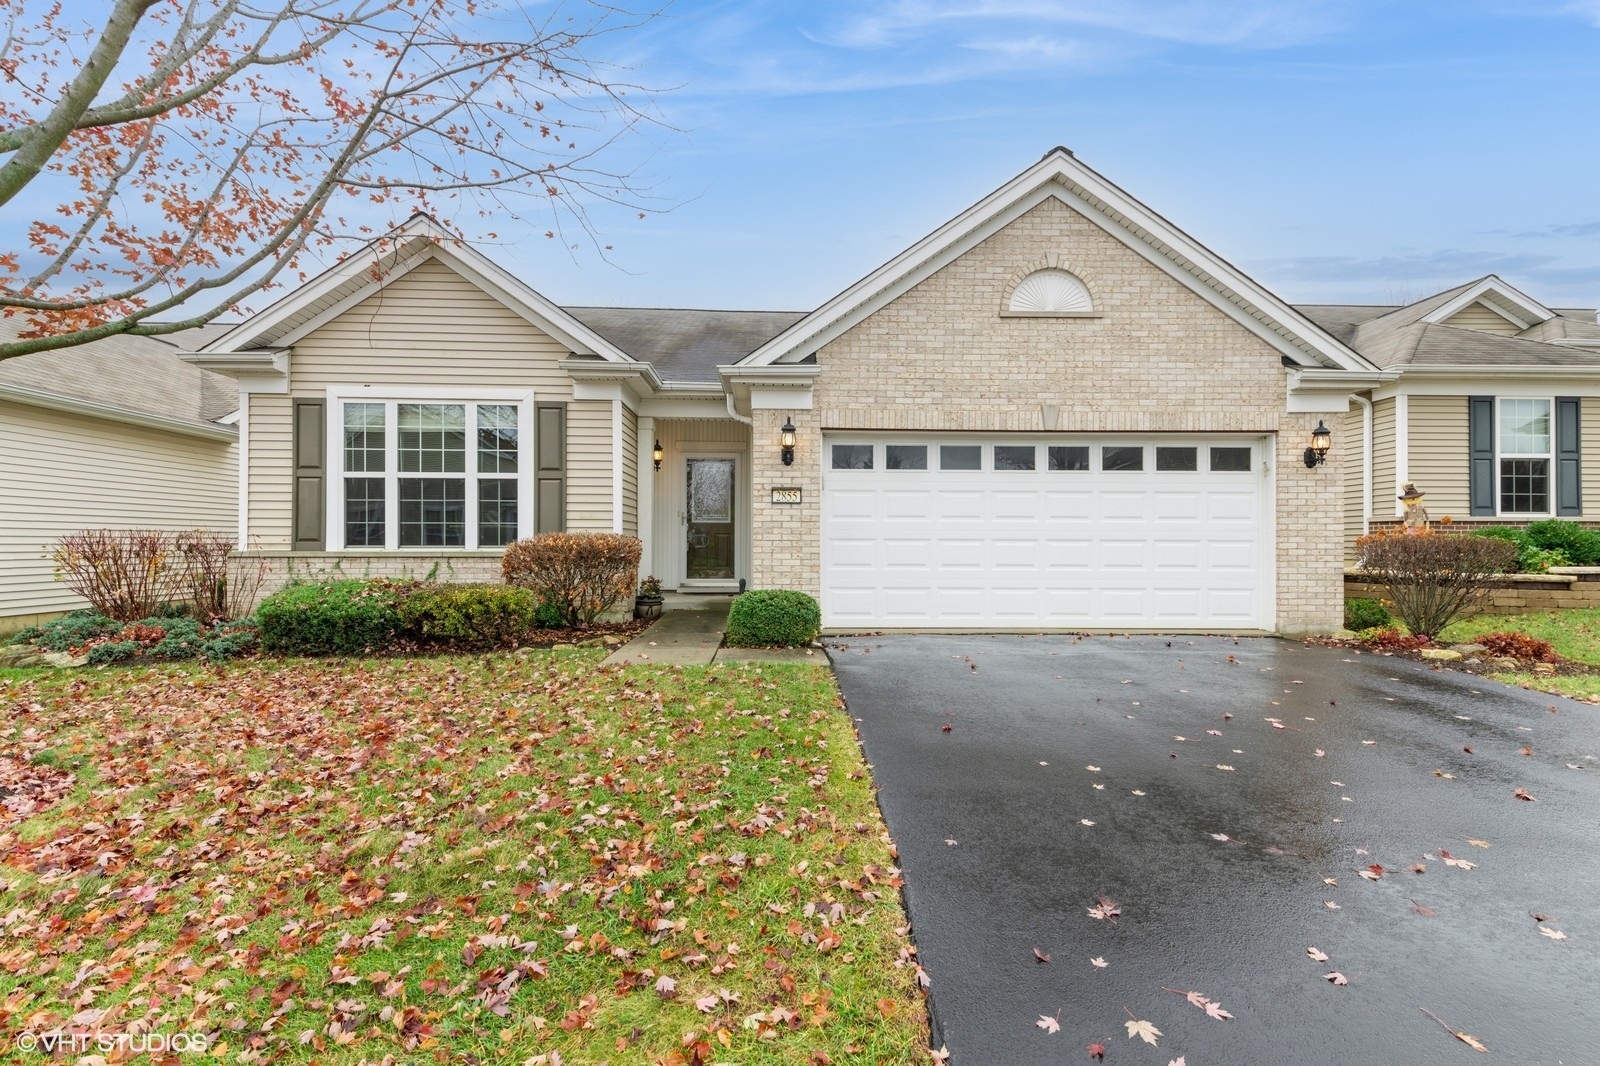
1348, 151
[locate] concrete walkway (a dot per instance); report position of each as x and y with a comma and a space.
689, 633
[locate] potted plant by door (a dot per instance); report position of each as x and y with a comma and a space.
647, 604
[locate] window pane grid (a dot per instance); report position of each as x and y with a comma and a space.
1524, 427
433, 512
1525, 486
497, 439
433, 438
363, 512
497, 512
363, 438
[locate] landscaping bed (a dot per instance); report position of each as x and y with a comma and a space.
509, 858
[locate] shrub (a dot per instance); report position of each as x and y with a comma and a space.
581, 574
475, 616
71, 631
1394, 640
1580, 546
128, 574
1362, 613
549, 616
773, 617
1519, 646
1534, 560
331, 618
1432, 579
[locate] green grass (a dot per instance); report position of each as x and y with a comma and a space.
1574, 634
498, 857
1584, 687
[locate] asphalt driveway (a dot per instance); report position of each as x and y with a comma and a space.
1214, 836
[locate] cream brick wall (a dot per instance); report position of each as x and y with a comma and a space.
1157, 358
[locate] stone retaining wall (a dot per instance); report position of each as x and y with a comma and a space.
1563, 588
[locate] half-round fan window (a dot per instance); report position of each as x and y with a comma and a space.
1050, 292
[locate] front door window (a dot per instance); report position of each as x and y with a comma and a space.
710, 519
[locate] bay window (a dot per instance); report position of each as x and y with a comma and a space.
430, 473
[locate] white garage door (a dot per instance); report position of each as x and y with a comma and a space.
961, 531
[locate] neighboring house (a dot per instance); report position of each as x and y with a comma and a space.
1491, 402
117, 434
1055, 411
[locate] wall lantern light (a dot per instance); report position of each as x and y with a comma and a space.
1321, 441
657, 454
787, 440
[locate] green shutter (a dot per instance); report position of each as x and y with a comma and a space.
310, 485
1480, 447
1569, 472
550, 468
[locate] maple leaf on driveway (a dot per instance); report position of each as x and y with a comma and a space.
1143, 1030
1048, 1024
1097, 1050
1317, 954
1040, 956
1336, 978
1204, 1002
1105, 910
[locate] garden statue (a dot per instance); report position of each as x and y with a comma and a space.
1416, 517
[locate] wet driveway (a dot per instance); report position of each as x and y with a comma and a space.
1331, 762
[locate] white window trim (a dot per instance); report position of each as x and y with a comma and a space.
338, 396
1549, 457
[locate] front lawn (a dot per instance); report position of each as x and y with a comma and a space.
1574, 634
518, 859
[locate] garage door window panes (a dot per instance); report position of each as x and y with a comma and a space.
905, 457
1014, 456
1068, 456
1121, 457
960, 457
852, 457
1177, 460
1230, 460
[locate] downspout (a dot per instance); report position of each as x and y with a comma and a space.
1366, 463
735, 415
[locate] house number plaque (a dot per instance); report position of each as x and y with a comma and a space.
792, 495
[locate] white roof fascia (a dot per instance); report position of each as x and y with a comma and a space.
415, 243
1061, 175
1526, 307
73, 405
1542, 373
1321, 379
270, 361
640, 378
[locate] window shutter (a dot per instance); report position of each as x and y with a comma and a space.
1569, 473
550, 474
1480, 445
310, 495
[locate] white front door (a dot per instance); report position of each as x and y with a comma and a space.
966, 531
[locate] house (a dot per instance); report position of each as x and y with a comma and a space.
1488, 407
1057, 410
116, 434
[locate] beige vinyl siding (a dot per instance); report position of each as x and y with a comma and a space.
271, 486
1484, 320
1438, 454
1354, 466
430, 328
589, 466
630, 473
1589, 455
64, 472
1384, 487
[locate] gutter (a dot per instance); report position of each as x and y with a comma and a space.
94, 409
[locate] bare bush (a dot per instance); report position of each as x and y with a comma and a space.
129, 574
581, 574
1432, 578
